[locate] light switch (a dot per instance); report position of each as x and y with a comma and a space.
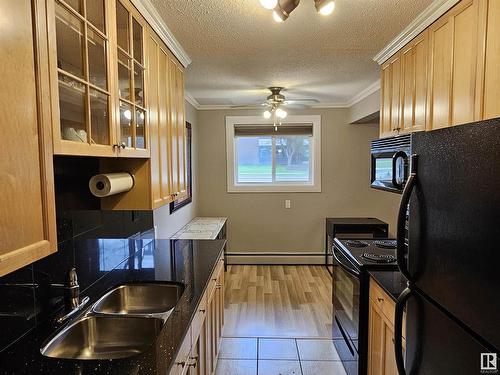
288, 203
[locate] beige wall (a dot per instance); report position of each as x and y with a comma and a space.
166, 224
259, 222
365, 107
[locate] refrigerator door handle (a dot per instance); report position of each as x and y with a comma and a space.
398, 330
403, 206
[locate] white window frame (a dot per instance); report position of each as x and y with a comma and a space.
313, 186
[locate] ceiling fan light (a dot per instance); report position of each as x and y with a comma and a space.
269, 4
267, 115
280, 113
325, 7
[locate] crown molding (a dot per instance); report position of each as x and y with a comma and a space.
374, 87
419, 24
149, 12
191, 100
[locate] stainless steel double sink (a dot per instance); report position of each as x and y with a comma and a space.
122, 323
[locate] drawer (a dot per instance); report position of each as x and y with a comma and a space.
384, 303
199, 319
382, 300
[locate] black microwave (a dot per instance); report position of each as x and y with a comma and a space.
390, 163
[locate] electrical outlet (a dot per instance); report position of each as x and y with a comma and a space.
288, 203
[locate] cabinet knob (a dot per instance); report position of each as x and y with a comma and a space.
202, 311
218, 286
380, 299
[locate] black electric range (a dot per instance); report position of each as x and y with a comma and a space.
352, 259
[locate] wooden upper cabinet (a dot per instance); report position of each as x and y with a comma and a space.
130, 68
27, 208
453, 53
414, 84
97, 69
488, 88
391, 96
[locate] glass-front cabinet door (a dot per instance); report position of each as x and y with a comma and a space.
132, 112
97, 69
83, 125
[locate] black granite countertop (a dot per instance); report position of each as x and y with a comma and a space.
393, 283
187, 261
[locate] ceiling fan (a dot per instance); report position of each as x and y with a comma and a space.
276, 101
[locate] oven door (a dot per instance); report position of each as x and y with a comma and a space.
346, 302
389, 170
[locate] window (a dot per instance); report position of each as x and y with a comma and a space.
178, 204
262, 158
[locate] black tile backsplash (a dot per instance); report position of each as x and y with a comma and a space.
85, 241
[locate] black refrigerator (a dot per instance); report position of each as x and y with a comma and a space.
449, 250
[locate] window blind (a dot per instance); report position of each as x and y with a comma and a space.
269, 130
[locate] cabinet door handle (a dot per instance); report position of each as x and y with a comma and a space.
218, 286
380, 299
202, 311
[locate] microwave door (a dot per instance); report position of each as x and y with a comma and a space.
389, 170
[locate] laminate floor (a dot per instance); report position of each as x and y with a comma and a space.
278, 301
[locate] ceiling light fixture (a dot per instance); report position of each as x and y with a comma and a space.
267, 115
269, 4
283, 9
325, 7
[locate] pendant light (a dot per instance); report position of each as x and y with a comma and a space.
269, 4
283, 9
325, 7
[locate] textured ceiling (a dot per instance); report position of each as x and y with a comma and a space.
237, 49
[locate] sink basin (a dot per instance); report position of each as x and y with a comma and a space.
98, 337
140, 299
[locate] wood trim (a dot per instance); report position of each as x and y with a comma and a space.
44, 105
19, 258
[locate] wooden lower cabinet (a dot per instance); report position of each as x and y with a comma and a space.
200, 349
27, 203
381, 356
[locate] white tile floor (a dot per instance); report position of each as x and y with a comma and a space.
262, 356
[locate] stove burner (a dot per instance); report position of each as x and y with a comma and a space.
356, 243
385, 244
379, 258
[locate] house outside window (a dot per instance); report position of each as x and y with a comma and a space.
262, 158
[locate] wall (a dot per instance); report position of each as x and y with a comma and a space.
166, 224
365, 107
259, 222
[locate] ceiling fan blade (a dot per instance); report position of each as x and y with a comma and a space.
254, 105
305, 100
297, 105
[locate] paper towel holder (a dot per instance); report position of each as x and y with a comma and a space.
101, 185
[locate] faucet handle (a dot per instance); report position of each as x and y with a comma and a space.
71, 278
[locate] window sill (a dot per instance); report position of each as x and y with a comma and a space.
274, 189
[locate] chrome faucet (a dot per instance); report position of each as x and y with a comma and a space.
72, 303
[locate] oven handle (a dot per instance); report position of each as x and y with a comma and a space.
343, 266
403, 206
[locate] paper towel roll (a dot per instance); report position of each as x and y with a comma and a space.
104, 185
